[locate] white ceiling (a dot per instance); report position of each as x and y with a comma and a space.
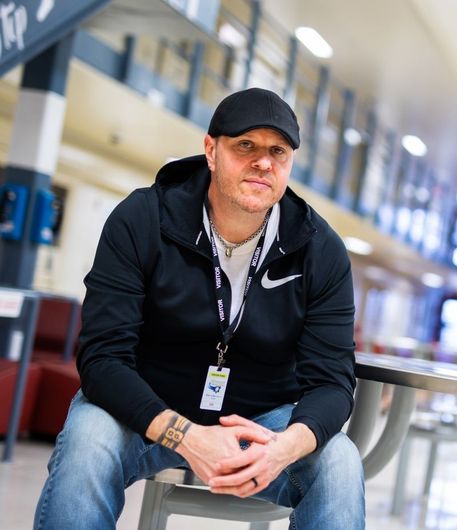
400, 55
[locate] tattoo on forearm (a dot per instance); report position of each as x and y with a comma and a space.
174, 431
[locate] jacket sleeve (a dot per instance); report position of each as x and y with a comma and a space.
112, 316
325, 357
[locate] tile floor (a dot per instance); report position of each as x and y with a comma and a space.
21, 480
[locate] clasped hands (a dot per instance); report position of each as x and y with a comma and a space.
215, 455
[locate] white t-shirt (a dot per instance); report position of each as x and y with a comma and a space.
237, 266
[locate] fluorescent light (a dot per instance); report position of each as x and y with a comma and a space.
430, 279
352, 136
358, 246
422, 194
315, 43
414, 145
231, 36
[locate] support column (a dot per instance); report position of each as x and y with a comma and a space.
130, 46
195, 78
344, 149
403, 177
365, 159
389, 176
255, 19
320, 114
290, 89
34, 150
448, 219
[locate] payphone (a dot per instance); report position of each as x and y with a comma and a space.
45, 216
13, 209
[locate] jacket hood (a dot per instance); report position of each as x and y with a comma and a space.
181, 187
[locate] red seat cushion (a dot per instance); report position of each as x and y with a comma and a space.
8, 374
51, 332
59, 383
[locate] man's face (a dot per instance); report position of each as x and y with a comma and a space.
249, 172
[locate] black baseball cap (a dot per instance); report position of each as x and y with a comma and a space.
254, 108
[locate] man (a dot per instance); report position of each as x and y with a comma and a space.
217, 334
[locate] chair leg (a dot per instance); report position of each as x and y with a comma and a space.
430, 467
398, 499
154, 514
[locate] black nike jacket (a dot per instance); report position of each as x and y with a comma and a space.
150, 320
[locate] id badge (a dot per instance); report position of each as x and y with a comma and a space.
214, 389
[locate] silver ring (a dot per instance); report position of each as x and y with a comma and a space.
255, 482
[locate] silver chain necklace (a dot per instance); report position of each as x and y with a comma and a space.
228, 249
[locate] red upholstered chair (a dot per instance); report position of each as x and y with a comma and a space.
59, 378
59, 382
52, 381
53, 326
8, 373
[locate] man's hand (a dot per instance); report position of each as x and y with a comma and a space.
206, 448
215, 456
262, 462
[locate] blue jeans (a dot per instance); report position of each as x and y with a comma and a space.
96, 458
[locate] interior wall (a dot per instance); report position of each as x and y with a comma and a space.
62, 268
93, 189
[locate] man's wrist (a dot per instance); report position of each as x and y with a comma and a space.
168, 429
302, 438
175, 431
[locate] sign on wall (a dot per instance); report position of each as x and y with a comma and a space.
27, 27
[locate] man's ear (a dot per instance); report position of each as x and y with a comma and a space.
210, 152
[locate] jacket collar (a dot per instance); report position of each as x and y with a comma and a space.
181, 187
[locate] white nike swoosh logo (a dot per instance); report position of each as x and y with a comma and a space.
271, 284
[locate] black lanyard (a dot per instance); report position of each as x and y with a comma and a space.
223, 291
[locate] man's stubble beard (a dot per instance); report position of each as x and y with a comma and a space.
238, 199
